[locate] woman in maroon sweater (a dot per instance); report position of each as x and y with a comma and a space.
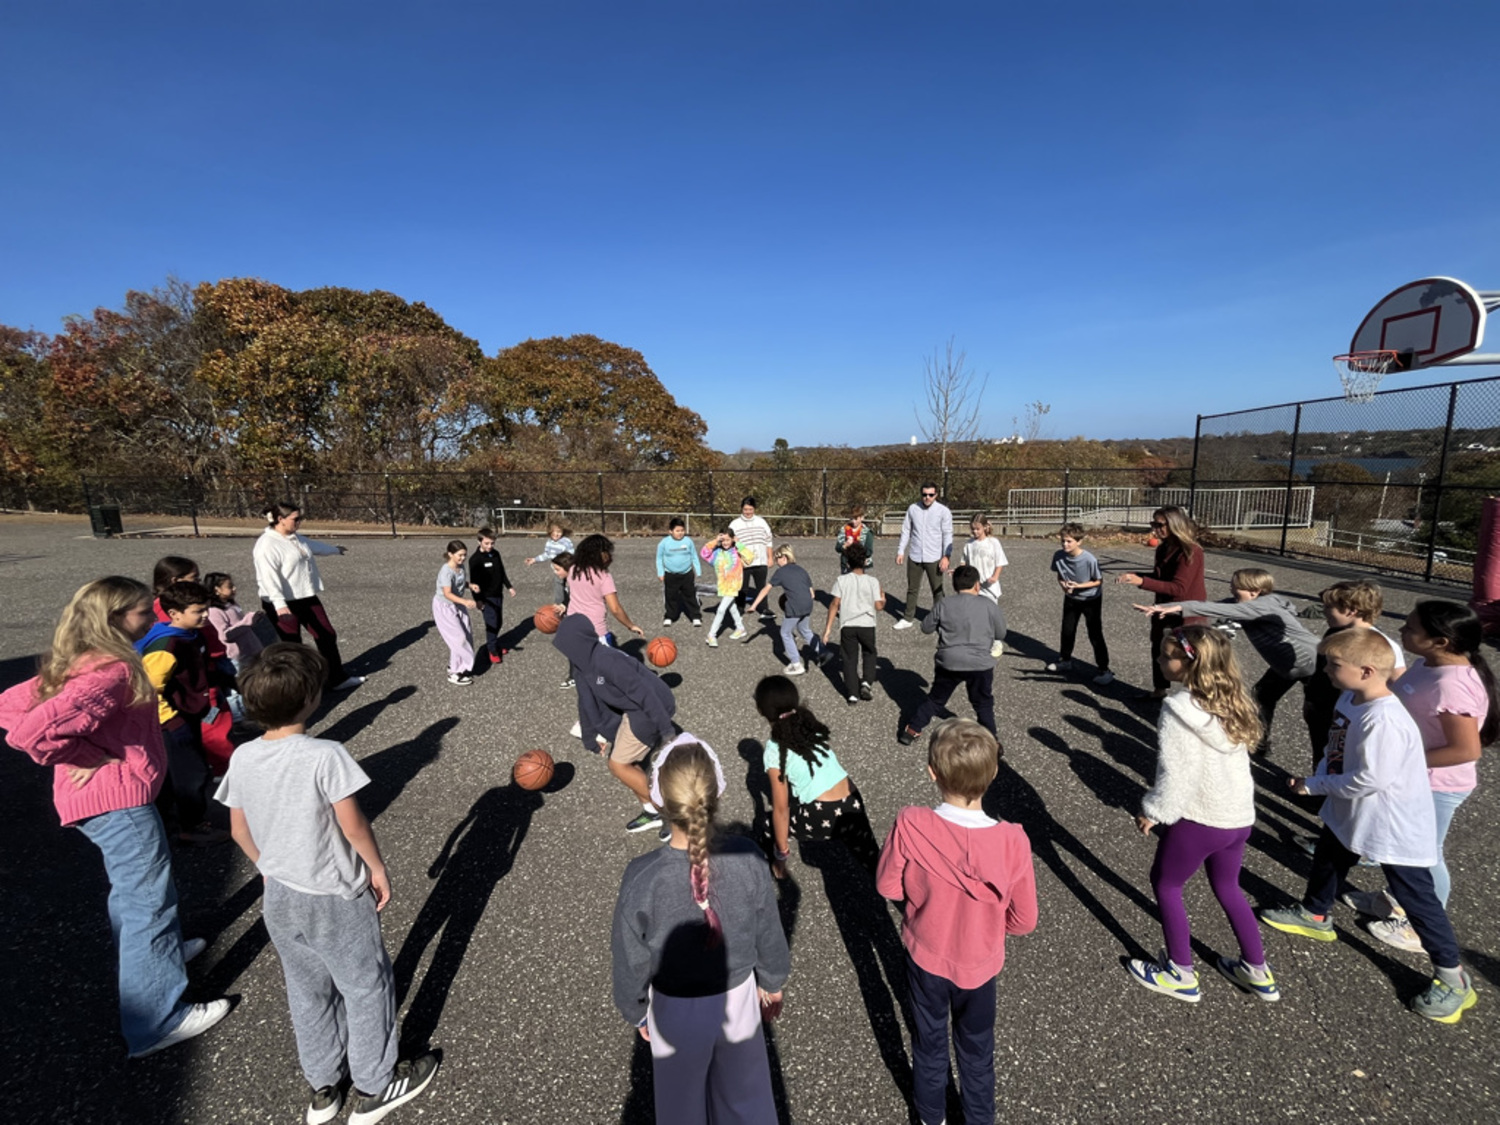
1176, 576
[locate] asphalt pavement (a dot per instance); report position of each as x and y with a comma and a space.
499, 925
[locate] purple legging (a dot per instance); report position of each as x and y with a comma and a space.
1183, 848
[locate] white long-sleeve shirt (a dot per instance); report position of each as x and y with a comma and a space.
284, 567
928, 532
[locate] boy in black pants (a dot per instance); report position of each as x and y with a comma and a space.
487, 582
1082, 585
967, 628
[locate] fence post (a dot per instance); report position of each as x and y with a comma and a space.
390, 505
1193, 476
1437, 489
1067, 491
945, 484
187, 483
602, 528
1291, 475
823, 528
88, 500
713, 511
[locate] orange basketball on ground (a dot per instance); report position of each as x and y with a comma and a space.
547, 619
533, 769
661, 652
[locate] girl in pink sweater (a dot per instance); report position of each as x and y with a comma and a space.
91, 715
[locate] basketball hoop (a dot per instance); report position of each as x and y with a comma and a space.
1361, 372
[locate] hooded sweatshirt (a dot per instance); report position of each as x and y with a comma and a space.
964, 890
1200, 774
1271, 624
612, 684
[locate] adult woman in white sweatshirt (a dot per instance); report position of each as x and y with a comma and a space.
1204, 799
289, 584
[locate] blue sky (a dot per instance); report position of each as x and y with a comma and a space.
1133, 212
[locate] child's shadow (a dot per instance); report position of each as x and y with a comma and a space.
479, 852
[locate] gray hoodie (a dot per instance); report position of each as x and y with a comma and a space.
1272, 626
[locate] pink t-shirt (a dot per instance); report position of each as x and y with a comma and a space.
1429, 691
586, 594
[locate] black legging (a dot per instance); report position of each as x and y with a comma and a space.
309, 614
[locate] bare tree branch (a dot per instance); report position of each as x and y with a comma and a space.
953, 399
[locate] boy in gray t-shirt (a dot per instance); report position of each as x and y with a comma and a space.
1082, 585
293, 811
857, 597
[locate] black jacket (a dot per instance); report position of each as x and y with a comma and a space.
487, 577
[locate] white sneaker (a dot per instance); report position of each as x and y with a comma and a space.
460, 679
199, 1018
192, 947
1105, 677
697, 624
667, 621
1397, 932
797, 669
738, 634
349, 682
902, 624
576, 730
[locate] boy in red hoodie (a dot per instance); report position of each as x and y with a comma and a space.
964, 881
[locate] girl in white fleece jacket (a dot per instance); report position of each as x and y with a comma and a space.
1204, 799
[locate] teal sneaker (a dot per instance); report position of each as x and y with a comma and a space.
1443, 1004
1297, 920
1238, 974
1166, 980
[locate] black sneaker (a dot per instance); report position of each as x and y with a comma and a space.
907, 736
864, 691
665, 835
644, 821
324, 1105
409, 1079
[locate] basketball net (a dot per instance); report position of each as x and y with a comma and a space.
1361, 372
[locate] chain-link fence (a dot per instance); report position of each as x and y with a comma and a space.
1396, 484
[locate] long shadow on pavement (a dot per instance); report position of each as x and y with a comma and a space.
478, 853
379, 656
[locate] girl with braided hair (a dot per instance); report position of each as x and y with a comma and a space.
811, 794
700, 957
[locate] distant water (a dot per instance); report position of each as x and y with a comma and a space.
1375, 466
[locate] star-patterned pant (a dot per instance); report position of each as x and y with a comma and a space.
844, 820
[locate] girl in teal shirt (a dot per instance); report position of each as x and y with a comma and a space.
811, 794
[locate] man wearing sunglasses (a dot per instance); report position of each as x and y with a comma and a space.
926, 543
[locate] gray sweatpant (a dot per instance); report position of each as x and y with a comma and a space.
338, 985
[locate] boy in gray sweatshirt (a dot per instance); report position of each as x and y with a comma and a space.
966, 627
1271, 625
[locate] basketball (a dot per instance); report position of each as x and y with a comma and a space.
661, 652
533, 769
547, 619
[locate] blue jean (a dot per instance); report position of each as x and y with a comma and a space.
790, 627
143, 916
1444, 804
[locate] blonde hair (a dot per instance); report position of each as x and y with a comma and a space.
88, 629
1180, 528
1358, 596
1213, 677
1364, 647
1253, 579
964, 757
689, 788
981, 520
785, 552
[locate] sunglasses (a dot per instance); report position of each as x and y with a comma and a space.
1182, 642
929, 496
1158, 523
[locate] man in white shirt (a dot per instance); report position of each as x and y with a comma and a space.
925, 547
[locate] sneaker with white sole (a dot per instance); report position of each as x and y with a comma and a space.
711, 641
199, 1018
698, 624
324, 1104
665, 835
1161, 976
460, 679
410, 1078
1105, 678
568, 684
667, 621
1060, 666
1445, 1004
738, 634
853, 701
902, 624
644, 820
1397, 933
796, 668
1237, 973
576, 730
864, 692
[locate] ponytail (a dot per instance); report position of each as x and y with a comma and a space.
793, 725
1461, 627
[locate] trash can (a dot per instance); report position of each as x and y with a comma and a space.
105, 520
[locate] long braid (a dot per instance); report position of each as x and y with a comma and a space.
690, 798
